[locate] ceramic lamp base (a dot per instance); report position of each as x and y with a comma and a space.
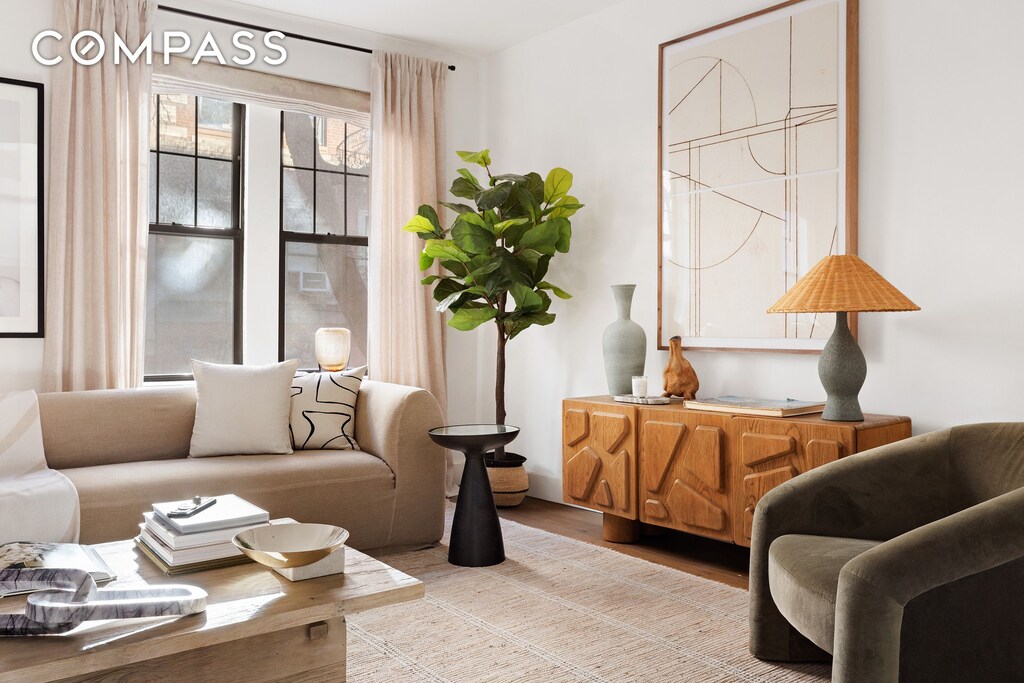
842, 370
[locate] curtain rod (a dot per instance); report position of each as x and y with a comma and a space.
264, 29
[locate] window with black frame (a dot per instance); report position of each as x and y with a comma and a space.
325, 210
193, 298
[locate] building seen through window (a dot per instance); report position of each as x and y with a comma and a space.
194, 269
325, 200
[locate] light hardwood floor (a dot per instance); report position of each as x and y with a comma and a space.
711, 559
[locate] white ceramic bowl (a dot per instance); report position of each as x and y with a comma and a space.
290, 545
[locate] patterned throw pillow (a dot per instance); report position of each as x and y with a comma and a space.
324, 409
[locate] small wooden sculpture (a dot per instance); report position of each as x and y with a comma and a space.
680, 378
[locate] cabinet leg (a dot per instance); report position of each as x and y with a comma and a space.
619, 529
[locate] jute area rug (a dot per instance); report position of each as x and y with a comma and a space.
558, 610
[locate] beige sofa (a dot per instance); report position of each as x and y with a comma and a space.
126, 449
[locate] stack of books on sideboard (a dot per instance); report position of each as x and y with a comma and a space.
202, 541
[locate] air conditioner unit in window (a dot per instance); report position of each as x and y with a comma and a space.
314, 282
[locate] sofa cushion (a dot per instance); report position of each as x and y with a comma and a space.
351, 489
242, 408
803, 576
83, 428
323, 409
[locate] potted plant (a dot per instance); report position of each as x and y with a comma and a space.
496, 255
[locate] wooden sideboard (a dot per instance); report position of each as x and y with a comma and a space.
696, 471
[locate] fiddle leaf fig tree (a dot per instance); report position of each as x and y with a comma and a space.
497, 251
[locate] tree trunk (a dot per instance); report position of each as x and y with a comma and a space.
499, 380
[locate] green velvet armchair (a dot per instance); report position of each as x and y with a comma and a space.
903, 563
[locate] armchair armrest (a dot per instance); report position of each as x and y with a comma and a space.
874, 495
875, 587
391, 423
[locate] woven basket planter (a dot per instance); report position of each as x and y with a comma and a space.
509, 481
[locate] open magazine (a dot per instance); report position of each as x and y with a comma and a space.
31, 555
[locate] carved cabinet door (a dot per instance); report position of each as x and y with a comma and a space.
770, 452
599, 457
684, 472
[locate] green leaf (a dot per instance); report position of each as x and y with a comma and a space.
425, 261
508, 176
419, 224
463, 188
446, 287
444, 249
488, 199
535, 186
515, 233
557, 185
542, 238
557, 291
526, 299
470, 178
457, 267
459, 208
496, 283
519, 324
564, 233
566, 207
466, 319
527, 204
515, 269
499, 228
541, 269
459, 299
446, 302
428, 212
472, 239
482, 265
431, 279
529, 259
473, 218
481, 158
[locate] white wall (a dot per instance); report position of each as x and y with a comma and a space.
940, 184
21, 360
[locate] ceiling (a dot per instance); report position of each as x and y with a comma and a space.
472, 27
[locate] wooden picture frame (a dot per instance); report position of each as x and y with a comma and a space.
21, 208
743, 209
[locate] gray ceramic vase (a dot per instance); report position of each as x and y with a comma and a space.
625, 345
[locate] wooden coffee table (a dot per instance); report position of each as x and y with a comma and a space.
258, 626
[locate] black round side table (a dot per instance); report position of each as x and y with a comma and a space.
476, 533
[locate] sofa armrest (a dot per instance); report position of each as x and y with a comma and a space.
391, 423
875, 587
874, 495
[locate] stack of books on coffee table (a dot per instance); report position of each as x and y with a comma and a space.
202, 541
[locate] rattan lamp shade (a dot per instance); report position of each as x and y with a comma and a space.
842, 283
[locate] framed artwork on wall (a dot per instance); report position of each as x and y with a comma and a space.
21, 208
757, 172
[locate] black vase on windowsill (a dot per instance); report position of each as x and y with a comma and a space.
508, 477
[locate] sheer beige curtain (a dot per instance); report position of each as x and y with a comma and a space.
407, 335
97, 230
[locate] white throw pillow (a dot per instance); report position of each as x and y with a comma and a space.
241, 409
324, 409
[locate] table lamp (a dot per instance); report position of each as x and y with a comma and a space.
333, 347
840, 285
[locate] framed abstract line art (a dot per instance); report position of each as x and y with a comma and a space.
21, 208
757, 172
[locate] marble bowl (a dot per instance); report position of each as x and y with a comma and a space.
283, 546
